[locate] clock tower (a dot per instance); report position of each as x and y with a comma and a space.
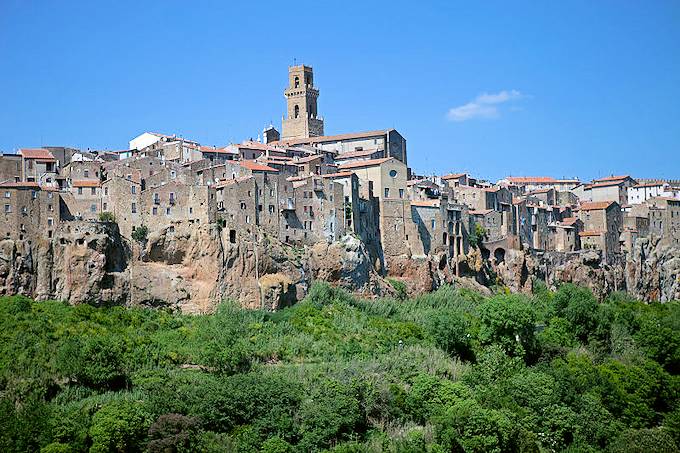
301, 120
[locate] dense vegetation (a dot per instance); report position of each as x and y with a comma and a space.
448, 371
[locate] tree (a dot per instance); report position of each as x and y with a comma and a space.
107, 217
449, 330
477, 235
508, 321
140, 233
172, 433
119, 426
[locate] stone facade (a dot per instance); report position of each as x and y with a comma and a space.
302, 119
28, 212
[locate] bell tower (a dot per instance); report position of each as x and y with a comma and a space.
301, 120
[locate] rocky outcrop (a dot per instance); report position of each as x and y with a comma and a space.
83, 263
653, 271
194, 267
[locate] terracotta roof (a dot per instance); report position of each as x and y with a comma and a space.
612, 178
342, 174
259, 146
86, 183
590, 233
304, 160
210, 149
540, 191
365, 163
453, 176
21, 185
37, 153
569, 220
481, 211
335, 138
649, 184
229, 182
491, 189
539, 180
254, 166
593, 205
616, 182
425, 203
361, 153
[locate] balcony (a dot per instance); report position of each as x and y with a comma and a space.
288, 204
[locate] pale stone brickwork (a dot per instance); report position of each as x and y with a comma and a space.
28, 212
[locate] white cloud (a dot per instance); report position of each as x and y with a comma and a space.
483, 106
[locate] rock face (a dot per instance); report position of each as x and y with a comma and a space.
194, 267
650, 272
653, 271
84, 262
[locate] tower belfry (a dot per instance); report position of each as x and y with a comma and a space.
301, 120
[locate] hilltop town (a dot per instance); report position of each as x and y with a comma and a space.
206, 222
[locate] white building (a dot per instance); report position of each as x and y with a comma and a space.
642, 192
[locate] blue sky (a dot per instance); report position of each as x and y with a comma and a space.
575, 88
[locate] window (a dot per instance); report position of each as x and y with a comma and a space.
50, 221
134, 208
401, 193
172, 197
133, 190
434, 224
191, 210
167, 211
93, 208
8, 194
154, 210
173, 174
297, 82
296, 111
393, 173
105, 207
86, 173
80, 190
34, 194
50, 208
387, 192
93, 191
24, 210
106, 191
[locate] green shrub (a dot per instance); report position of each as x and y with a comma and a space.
107, 217
140, 233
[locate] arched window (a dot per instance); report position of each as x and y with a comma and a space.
297, 111
297, 82
309, 111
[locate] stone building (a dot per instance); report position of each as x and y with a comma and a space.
319, 213
121, 197
387, 142
602, 226
83, 170
664, 219
38, 165
532, 183
29, 211
10, 168
85, 202
302, 119
175, 202
387, 176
